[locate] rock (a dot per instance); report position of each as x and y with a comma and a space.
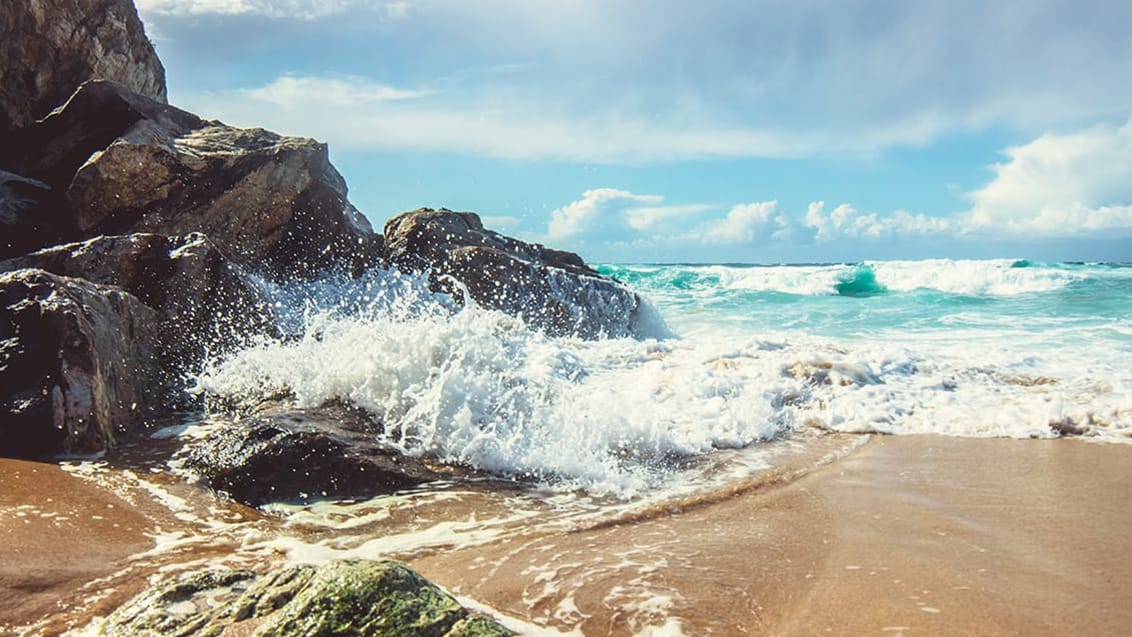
127, 164
204, 303
190, 604
98, 112
31, 214
77, 364
354, 597
297, 455
49, 47
550, 289
366, 598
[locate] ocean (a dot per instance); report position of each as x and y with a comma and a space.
748, 464
730, 356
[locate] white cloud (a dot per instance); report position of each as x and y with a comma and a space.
1060, 185
295, 9
353, 112
652, 217
576, 218
845, 222
743, 223
632, 80
351, 91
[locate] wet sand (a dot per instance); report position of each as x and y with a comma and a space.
58, 534
913, 535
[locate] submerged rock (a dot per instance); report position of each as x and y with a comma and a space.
128, 164
49, 47
77, 364
204, 303
354, 597
550, 289
298, 455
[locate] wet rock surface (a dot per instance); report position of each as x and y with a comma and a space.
298, 455
354, 597
550, 289
77, 364
126, 164
203, 301
31, 214
49, 47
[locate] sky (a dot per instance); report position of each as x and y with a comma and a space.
661, 131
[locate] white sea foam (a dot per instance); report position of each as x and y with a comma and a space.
995, 277
805, 280
479, 388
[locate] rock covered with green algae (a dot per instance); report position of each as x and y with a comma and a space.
353, 597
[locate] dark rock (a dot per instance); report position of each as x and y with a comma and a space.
31, 215
346, 598
303, 454
49, 47
550, 289
77, 364
204, 302
127, 164
54, 148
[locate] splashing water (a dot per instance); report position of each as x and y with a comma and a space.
974, 348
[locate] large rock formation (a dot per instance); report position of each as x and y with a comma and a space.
49, 47
31, 214
128, 164
550, 289
354, 597
297, 455
204, 302
76, 364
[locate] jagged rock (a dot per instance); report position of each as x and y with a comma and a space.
127, 164
49, 47
204, 303
297, 455
345, 598
550, 289
77, 364
31, 214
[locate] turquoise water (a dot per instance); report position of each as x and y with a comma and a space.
740, 355
1084, 303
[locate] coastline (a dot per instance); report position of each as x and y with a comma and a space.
905, 535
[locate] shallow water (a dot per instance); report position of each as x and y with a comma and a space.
740, 355
749, 377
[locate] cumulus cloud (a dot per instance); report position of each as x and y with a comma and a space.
742, 224
578, 217
844, 221
1060, 185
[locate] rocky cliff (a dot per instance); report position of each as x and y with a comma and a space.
49, 47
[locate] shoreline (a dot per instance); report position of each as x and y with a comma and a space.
904, 535
907, 535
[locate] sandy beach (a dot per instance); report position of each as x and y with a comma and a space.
58, 533
913, 535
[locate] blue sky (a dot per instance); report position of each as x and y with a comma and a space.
630, 131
